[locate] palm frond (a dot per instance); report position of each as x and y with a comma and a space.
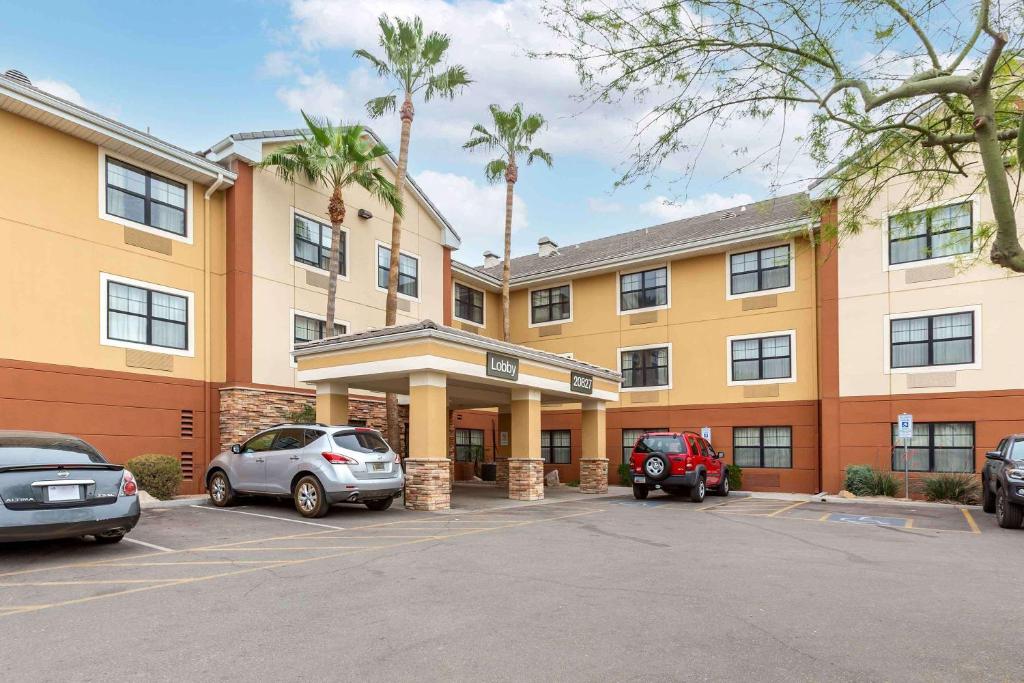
447, 83
494, 171
538, 153
382, 67
319, 128
378, 106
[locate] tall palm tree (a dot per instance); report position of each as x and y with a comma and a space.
335, 157
413, 63
512, 137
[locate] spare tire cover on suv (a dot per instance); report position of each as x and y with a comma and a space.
656, 466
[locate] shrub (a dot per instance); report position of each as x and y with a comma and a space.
306, 415
735, 474
952, 488
864, 480
157, 475
884, 484
574, 483
625, 476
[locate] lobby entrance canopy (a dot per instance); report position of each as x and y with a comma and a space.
443, 369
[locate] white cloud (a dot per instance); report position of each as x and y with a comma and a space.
62, 90
664, 209
476, 209
603, 205
317, 94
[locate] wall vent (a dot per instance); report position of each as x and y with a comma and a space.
187, 424
186, 465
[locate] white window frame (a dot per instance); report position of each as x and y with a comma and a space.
729, 296
662, 345
529, 305
887, 339
292, 312
667, 265
483, 316
106, 278
975, 219
189, 236
419, 272
758, 335
319, 219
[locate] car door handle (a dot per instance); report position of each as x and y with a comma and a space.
294, 457
259, 460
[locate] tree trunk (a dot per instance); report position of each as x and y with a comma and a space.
511, 175
391, 306
336, 211
1006, 249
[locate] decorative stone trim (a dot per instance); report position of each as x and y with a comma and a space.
594, 475
525, 479
501, 478
428, 485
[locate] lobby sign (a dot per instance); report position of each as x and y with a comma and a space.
580, 383
503, 367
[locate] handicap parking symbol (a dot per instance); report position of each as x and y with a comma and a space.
869, 520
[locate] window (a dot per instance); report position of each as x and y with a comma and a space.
145, 198
310, 329
469, 445
761, 358
469, 304
630, 436
643, 290
146, 316
933, 340
645, 368
762, 446
759, 270
361, 441
555, 446
931, 233
549, 305
289, 439
936, 447
408, 272
662, 443
260, 442
313, 244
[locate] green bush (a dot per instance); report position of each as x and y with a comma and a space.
625, 476
735, 474
157, 475
306, 415
864, 480
574, 483
952, 488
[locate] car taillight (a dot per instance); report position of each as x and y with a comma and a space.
398, 458
128, 485
338, 459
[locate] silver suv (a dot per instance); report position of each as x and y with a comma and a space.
316, 465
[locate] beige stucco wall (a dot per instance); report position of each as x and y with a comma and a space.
280, 286
56, 245
869, 292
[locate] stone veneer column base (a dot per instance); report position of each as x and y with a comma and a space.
501, 478
428, 485
594, 476
526, 479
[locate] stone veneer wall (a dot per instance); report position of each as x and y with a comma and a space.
245, 411
593, 476
526, 479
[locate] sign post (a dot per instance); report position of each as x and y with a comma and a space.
905, 430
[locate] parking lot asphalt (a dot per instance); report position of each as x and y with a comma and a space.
581, 589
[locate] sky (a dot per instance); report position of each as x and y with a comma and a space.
193, 72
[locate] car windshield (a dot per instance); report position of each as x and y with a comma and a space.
1017, 450
46, 450
361, 442
663, 443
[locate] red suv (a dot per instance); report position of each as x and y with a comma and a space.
679, 464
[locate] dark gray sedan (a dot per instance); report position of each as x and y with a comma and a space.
58, 486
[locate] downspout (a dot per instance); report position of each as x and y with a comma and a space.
206, 313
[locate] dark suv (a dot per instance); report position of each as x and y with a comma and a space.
679, 464
1002, 482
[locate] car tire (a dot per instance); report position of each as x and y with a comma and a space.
219, 488
109, 539
988, 499
698, 491
656, 466
723, 486
310, 500
640, 491
1009, 515
379, 505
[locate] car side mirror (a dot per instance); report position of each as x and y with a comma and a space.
236, 448
720, 455
994, 455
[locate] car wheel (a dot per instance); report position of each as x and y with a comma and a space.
657, 467
108, 539
698, 491
640, 491
309, 497
220, 491
1008, 515
723, 486
379, 505
988, 499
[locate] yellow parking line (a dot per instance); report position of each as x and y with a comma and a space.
82, 582
970, 521
308, 547
194, 562
824, 517
910, 523
789, 507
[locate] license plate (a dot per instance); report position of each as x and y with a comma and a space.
62, 493
639, 480
378, 466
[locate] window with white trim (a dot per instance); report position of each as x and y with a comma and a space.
469, 304
146, 198
556, 446
936, 447
469, 445
931, 233
308, 329
932, 340
763, 447
645, 367
408, 271
146, 316
313, 244
761, 358
759, 270
550, 305
646, 289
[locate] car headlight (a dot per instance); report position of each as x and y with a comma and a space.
1015, 474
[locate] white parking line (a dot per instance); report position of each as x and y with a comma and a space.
148, 545
256, 514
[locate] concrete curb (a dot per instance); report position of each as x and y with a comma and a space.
829, 498
155, 504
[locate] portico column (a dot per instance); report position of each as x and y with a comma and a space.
502, 452
525, 467
427, 477
594, 459
332, 403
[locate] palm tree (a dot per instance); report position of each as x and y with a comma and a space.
335, 157
412, 62
512, 137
